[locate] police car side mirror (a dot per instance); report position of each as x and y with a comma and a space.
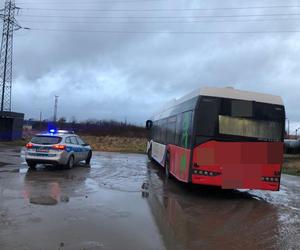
85, 144
149, 124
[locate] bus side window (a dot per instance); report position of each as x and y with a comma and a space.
186, 129
178, 130
163, 131
154, 131
171, 130
158, 131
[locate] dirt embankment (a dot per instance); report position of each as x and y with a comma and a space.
117, 144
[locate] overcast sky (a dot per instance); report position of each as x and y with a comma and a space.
129, 75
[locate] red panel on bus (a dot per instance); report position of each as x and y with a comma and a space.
238, 164
179, 162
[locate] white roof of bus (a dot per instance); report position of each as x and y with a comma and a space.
232, 93
227, 92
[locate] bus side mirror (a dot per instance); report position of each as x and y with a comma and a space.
149, 124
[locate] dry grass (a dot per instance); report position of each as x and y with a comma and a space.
291, 164
116, 144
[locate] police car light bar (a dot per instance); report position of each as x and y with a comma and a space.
65, 131
54, 131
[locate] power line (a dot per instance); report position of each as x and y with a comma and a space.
161, 22
154, 10
167, 17
166, 32
92, 2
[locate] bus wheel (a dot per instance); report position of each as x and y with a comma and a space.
167, 166
149, 154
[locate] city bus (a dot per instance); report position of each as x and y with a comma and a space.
222, 137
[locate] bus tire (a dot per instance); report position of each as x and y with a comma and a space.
149, 153
167, 166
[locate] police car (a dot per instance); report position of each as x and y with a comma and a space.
59, 147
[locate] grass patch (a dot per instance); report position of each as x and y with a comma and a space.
116, 144
291, 164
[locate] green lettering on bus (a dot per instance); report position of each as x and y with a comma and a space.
183, 163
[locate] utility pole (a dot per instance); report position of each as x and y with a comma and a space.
9, 26
55, 108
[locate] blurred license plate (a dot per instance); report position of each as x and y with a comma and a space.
42, 150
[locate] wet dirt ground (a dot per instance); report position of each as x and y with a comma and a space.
122, 201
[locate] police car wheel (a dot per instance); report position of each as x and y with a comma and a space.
70, 163
89, 157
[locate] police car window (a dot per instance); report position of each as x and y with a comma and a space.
73, 140
81, 142
46, 140
68, 140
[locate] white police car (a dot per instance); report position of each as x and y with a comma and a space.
59, 147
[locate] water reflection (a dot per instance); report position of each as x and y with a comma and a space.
194, 217
50, 186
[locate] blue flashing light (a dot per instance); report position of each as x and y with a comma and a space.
52, 128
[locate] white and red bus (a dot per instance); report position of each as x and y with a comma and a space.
221, 137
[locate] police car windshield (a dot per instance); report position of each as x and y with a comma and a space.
46, 140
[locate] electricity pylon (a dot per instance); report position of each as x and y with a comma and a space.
9, 26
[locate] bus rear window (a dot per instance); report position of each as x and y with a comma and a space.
241, 108
46, 140
263, 130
